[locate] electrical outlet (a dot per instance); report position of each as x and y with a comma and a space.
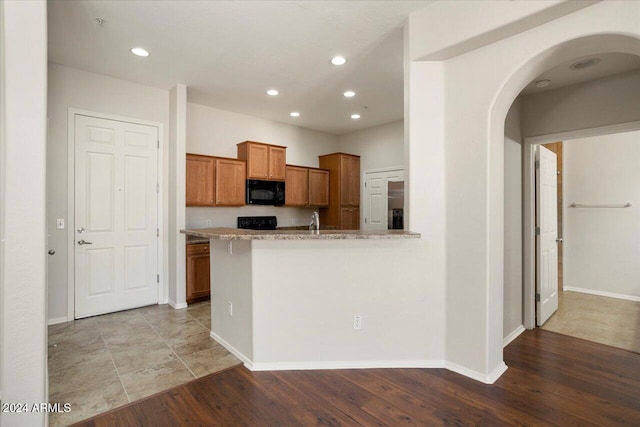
208, 223
230, 308
357, 322
60, 223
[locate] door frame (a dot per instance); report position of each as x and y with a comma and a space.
528, 198
363, 180
71, 196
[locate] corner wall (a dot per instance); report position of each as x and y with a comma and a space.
473, 129
23, 330
378, 147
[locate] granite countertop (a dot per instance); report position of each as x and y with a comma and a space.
238, 234
305, 227
193, 240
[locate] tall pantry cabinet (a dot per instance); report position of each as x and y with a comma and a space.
344, 191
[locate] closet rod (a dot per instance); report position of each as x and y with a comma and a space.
584, 205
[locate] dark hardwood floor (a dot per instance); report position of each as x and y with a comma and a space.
552, 380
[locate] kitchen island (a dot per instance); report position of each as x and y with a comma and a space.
297, 299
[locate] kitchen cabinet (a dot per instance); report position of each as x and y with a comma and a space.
215, 181
198, 272
350, 218
318, 187
296, 186
199, 177
308, 187
264, 161
230, 182
343, 211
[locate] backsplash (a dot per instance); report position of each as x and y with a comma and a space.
197, 217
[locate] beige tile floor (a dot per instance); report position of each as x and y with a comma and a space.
100, 363
604, 320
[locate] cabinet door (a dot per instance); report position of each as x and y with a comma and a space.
349, 218
318, 187
258, 161
230, 182
296, 187
349, 181
199, 180
198, 269
277, 163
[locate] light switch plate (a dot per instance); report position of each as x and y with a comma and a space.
60, 224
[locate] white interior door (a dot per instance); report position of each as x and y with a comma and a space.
376, 202
116, 215
546, 239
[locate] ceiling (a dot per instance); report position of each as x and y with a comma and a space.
229, 53
562, 75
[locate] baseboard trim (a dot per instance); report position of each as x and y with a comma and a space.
237, 353
348, 364
57, 321
177, 306
478, 376
602, 293
512, 336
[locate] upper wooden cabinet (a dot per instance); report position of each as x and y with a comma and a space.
318, 187
296, 187
344, 185
215, 181
307, 187
200, 173
264, 161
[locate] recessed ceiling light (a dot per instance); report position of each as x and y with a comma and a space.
585, 63
294, 114
272, 92
338, 60
543, 83
138, 51
349, 94
355, 116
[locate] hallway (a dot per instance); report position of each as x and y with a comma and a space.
610, 321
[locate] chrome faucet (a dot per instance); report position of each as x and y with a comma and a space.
315, 222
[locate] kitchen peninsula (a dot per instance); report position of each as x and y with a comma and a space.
297, 299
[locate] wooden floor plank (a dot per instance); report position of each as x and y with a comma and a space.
552, 380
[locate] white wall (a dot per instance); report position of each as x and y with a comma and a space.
602, 246
512, 222
216, 132
378, 147
72, 88
606, 101
471, 133
23, 331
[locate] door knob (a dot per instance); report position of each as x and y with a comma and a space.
80, 230
82, 242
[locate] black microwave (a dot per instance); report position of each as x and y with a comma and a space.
265, 192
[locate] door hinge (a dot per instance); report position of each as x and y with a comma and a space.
157, 188
157, 232
158, 144
365, 184
365, 220
537, 297
537, 231
157, 278
537, 164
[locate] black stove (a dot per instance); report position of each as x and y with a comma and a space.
257, 222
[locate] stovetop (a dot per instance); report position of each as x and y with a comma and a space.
257, 222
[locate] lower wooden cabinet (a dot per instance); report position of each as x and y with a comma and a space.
350, 218
198, 272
